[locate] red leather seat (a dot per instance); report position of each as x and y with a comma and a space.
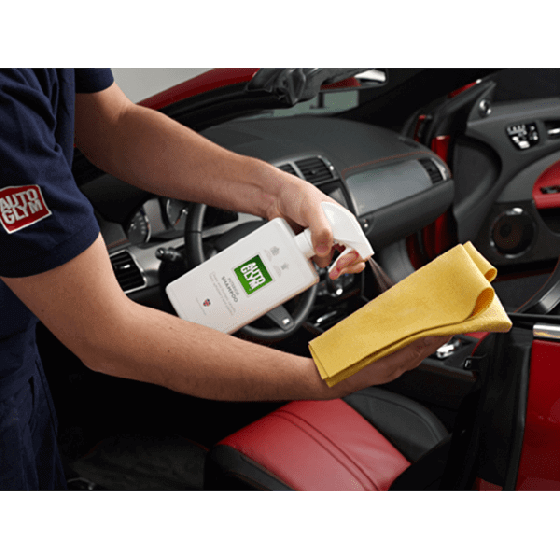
363, 442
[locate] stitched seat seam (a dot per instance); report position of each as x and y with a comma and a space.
345, 454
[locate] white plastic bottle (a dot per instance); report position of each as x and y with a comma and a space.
259, 272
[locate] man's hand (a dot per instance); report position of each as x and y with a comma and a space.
299, 203
392, 366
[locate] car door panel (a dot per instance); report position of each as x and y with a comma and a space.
507, 157
546, 190
540, 458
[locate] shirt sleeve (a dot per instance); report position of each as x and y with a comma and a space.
45, 221
92, 80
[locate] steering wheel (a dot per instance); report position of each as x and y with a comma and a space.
283, 323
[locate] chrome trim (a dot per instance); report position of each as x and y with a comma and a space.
542, 330
448, 349
511, 212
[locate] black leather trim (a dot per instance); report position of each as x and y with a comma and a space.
410, 427
228, 469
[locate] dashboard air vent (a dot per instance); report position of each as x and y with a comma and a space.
315, 170
288, 168
433, 171
127, 271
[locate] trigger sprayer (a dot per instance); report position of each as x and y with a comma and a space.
259, 272
346, 231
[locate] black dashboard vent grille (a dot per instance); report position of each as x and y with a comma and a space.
127, 271
288, 168
315, 170
433, 171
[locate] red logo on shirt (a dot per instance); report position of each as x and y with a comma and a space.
22, 206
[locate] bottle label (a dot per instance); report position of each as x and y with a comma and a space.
253, 275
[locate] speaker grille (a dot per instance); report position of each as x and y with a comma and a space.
512, 232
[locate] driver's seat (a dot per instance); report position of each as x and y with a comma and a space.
362, 442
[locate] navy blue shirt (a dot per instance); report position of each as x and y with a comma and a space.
45, 221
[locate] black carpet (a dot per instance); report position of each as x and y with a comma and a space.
141, 462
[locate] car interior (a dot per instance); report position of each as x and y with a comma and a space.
425, 159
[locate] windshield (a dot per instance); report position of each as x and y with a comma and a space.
325, 102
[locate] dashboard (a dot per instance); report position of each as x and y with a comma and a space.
392, 184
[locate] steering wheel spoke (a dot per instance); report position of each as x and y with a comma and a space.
281, 318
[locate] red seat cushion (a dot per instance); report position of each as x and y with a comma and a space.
320, 446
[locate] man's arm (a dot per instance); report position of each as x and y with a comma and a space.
148, 149
82, 304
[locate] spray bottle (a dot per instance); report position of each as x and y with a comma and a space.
259, 272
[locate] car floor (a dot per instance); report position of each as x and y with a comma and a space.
156, 440
139, 462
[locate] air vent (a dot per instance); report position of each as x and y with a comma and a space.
127, 271
315, 170
288, 168
433, 171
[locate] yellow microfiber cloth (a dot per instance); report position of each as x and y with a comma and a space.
451, 295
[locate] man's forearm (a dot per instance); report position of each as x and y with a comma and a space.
148, 345
82, 304
192, 359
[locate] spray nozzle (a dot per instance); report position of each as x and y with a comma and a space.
346, 231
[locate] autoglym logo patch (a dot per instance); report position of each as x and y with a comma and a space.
22, 206
253, 275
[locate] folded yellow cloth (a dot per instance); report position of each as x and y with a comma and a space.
451, 295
